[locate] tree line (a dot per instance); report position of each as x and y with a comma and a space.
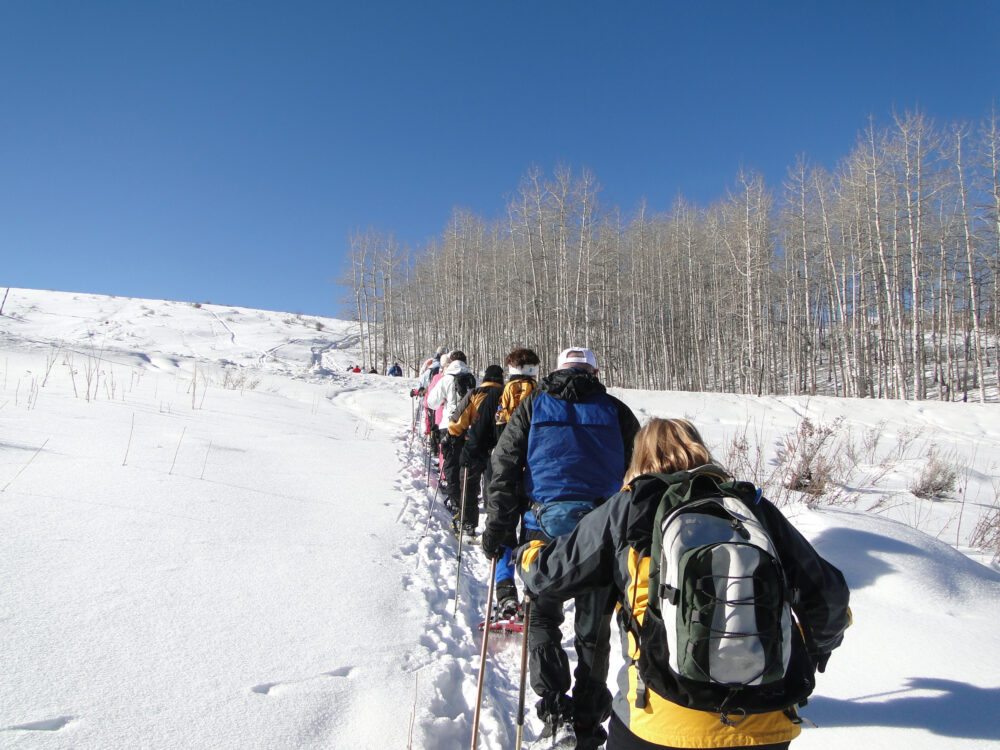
877, 278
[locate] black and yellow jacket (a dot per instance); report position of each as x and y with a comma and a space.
517, 389
473, 418
609, 547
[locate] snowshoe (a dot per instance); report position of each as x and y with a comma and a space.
505, 621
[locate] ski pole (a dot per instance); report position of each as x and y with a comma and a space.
482, 658
413, 419
461, 533
427, 470
524, 669
430, 510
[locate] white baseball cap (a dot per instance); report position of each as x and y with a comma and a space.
576, 355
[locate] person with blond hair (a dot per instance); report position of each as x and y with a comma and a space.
611, 547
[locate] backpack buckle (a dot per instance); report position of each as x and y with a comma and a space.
669, 593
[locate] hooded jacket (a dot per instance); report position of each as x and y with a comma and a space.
610, 547
474, 418
443, 396
569, 439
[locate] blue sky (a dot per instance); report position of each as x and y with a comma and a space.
224, 151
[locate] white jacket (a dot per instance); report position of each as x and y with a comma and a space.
444, 392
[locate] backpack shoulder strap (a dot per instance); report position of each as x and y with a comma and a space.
680, 489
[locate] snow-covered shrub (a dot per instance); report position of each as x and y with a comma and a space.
809, 457
938, 478
986, 535
743, 457
239, 380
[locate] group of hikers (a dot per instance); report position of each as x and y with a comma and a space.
726, 612
395, 371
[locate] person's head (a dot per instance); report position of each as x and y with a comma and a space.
665, 446
444, 360
441, 350
457, 354
522, 361
577, 357
493, 374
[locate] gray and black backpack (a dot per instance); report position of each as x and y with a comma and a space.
719, 632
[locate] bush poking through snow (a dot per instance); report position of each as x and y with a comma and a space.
986, 535
808, 458
937, 479
238, 380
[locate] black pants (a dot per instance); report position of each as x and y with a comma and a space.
453, 475
620, 738
549, 665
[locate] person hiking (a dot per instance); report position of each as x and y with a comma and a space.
430, 368
471, 430
565, 448
395, 371
432, 419
611, 546
522, 367
454, 382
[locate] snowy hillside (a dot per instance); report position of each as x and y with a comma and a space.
213, 536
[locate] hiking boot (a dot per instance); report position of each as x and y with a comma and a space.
556, 713
508, 605
589, 737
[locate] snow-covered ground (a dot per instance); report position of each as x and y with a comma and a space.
213, 536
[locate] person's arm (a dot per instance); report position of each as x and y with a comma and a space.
629, 426
581, 560
503, 504
823, 597
465, 413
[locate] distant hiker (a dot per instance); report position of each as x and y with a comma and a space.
739, 648
431, 368
566, 447
456, 380
356, 368
434, 413
472, 432
428, 371
522, 366
395, 371
373, 371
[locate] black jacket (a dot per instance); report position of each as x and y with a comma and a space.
474, 415
607, 548
505, 498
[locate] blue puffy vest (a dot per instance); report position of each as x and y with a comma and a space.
575, 451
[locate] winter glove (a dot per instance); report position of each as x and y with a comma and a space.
472, 464
820, 660
493, 543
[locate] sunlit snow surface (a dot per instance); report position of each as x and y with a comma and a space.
213, 536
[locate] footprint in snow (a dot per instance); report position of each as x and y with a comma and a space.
45, 725
340, 672
265, 688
